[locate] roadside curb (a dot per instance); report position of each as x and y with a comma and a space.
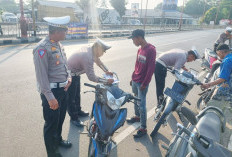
109, 34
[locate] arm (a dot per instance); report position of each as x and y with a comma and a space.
150, 67
216, 82
101, 65
41, 69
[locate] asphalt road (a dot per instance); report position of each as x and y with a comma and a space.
21, 119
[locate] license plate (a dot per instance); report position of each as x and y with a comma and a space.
174, 95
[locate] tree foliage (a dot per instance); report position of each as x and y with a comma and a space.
196, 8
8, 5
119, 6
220, 10
83, 4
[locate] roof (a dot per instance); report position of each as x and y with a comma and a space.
157, 13
61, 5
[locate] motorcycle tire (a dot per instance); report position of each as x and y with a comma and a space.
158, 125
92, 152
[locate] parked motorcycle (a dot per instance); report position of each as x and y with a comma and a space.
202, 137
106, 117
206, 95
184, 82
208, 59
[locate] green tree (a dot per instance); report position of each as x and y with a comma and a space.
196, 8
83, 4
221, 10
8, 5
210, 15
119, 6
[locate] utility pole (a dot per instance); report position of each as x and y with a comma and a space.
145, 17
181, 17
33, 16
23, 23
215, 20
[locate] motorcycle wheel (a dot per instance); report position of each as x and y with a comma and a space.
94, 153
91, 151
158, 125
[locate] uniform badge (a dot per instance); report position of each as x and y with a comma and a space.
57, 62
57, 56
41, 52
53, 48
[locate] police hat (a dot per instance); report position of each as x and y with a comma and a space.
58, 21
137, 33
102, 44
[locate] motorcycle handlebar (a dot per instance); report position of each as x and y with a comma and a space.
89, 85
135, 98
185, 130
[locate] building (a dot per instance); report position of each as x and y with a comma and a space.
57, 8
157, 16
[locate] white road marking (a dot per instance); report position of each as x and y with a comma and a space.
120, 137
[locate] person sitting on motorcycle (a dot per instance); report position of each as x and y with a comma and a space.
223, 38
83, 62
175, 58
224, 77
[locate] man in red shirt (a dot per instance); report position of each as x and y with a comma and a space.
141, 77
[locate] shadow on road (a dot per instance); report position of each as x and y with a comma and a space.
74, 137
12, 51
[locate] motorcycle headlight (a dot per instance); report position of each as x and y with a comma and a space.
113, 103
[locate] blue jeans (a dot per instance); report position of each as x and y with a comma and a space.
140, 106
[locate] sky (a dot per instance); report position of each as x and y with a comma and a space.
151, 3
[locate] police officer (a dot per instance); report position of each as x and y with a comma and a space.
53, 80
82, 61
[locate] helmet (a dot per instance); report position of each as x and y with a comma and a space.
229, 29
196, 54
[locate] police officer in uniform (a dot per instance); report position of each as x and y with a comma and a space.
53, 81
82, 61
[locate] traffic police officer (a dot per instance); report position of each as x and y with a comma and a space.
82, 61
53, 80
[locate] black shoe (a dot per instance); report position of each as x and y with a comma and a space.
77, 122
133, 119
83, 113
140, 133
65, 144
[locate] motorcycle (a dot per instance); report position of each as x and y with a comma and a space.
106, 117
206, 95
208, 59
184, 82
202, 136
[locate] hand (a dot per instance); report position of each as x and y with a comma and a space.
110, 81
205, 86
53, 104
108, 73
131, 83
68, 84
142, 87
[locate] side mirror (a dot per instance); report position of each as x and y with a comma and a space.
189, 115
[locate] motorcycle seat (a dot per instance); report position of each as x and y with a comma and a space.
210, 126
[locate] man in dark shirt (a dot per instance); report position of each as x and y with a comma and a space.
141, 77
